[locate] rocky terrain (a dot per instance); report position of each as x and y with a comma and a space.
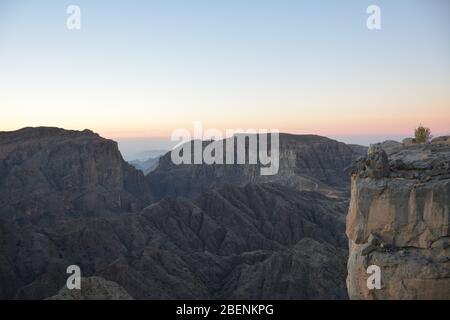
47, 171
222, 232
67, 197
252, 242
399, 220
307, 162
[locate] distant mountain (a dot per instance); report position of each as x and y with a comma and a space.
307, 162
146, 166
144, 155
358, 149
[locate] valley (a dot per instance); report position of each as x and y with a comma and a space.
180, 232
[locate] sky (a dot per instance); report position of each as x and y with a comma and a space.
137, 70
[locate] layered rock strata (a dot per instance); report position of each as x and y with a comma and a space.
398, 220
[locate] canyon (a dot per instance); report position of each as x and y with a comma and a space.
221, 231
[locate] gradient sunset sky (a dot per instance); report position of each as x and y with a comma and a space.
144, 68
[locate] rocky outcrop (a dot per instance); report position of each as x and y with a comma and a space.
398, 220
441, 140
307, 162
409, 142
49, 174
93, 288
391, 146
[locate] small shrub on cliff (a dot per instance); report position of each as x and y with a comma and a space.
422, 134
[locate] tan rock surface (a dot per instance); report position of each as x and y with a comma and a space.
400, 223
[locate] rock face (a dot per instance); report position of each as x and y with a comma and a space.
93, 288
45, 172
307, 162
390, 146
398, 220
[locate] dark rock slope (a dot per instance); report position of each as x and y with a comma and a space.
48, 174
307, 162
68, 198
254, 242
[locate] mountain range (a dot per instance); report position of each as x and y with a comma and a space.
68, 197
179, 232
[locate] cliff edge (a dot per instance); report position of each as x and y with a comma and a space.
50, 174
398, 220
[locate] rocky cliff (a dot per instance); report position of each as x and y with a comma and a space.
307, 162
398, 220
50, 174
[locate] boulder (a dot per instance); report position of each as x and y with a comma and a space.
409, 142
441, 140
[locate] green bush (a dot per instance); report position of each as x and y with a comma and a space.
422, 134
